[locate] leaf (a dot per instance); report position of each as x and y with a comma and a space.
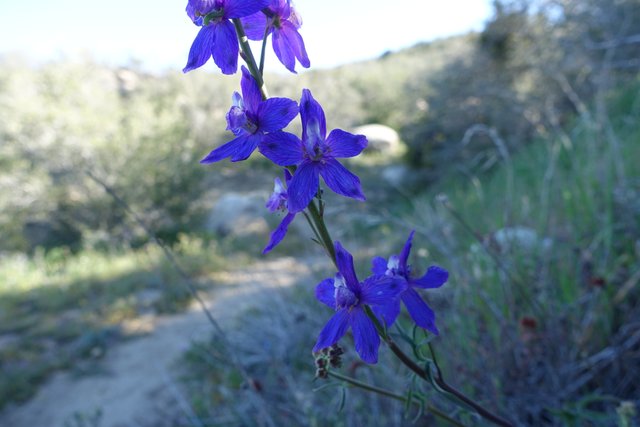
343, 399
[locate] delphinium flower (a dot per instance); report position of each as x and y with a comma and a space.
348, 296
218, 37
278, 202
250, 118
315, 155
282, 21
397, 267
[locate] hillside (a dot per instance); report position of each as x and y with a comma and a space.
519, 176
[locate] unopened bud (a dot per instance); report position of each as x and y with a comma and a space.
322, 373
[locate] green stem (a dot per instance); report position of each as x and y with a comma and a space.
356, 383
439, 380
264, 49
322, 229
313, 228
248, 57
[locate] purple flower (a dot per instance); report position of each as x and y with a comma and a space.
315, 155
249, 118
281, 20
348, 296
397, 267
278, 202
217, 37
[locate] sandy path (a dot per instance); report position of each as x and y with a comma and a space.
136, 387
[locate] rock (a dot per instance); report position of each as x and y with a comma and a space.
522, 238
518, 239
395, 174
239, 213
382, 139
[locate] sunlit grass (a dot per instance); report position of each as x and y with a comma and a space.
64, 310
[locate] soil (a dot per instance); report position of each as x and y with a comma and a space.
134, 383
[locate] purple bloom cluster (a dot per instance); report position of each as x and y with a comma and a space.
217, 37
315, 155
250, 118
257, 122
397, 267
390, 283
348, 296
282, 21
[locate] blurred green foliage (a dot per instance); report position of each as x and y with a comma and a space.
60, 310
141, 134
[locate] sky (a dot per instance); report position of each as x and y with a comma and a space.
157, 34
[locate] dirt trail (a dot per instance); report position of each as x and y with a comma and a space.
136, 386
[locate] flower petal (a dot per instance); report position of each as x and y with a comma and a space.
404, 255
254, 25
289, 46
419, 311
433, 278
236, 120
279, 233
282, 148
278, 197
229, 149
245, 150
388, 312
225, 49
282, 8
191, 12
335, 329
344, 261
201, 6
304, 185
242, 8
326, 293
283, 51
312, 112
250, 91
287, 176
276, 113
378, 265
381, 290
345, 144
340, 180
296, 43
365, 335
201, 49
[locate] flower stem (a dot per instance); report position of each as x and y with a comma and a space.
248, 57
327, 242
439, 380
318, 220
356, 383
264, 49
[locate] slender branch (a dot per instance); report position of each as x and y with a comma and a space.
313, 228
264, 49
439, 380
247, 55
318, 219
356, 383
